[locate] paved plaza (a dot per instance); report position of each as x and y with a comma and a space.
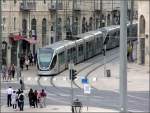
104, 95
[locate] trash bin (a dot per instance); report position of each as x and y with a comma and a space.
108, 73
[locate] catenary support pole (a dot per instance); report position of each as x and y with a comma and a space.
123, 56
0, 36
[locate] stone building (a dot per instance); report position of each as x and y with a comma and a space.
41, 22
144, 32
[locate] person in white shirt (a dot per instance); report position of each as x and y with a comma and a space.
9, 94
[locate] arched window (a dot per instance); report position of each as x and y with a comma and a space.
108, 19
68, 24
83, 24
34, 32
59, 30
44, 29
90, 23
142, 25
24, 27
33, 27
75, 30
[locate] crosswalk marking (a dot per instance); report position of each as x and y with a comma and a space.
64, 78
94, 79
29, 78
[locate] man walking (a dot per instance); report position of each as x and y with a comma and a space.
21, 100
9, 94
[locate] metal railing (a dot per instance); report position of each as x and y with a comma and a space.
27, 6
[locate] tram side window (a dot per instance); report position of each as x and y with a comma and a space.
81, 50
61, 57
73, 53
69, 55
98, 42
54, 62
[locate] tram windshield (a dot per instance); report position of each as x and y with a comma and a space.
45, 56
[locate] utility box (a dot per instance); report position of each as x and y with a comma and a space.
108, 73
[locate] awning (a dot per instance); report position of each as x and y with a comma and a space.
31, 40
19, 37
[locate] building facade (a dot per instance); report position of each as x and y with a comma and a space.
144, 32
48, 21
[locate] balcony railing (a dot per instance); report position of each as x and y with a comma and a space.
55, 6
27, 6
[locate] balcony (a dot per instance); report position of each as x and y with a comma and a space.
27, 6
55, 6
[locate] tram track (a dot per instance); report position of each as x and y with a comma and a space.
93, 63
47, 89
52, 83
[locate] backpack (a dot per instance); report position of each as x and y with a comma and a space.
21, 97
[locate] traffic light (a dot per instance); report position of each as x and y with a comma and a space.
73, 74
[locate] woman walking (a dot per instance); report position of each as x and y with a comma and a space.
14, 99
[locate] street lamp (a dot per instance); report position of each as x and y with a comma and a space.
76, 106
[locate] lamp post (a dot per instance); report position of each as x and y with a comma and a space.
0, 37
76, 106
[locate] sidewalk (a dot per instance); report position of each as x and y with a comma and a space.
54, 108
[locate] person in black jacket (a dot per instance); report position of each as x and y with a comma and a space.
31, 97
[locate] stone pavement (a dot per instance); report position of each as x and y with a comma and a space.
54, 108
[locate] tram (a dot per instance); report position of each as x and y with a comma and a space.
54, 58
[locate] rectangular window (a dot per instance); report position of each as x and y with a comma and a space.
61, 57
80, 50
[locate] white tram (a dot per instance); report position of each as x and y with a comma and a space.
54, 58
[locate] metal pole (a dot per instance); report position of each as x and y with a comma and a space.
71, 66
131, 16
56, 22
0, 36
123, 56
73, 8
101, 11
18, 63
105, 60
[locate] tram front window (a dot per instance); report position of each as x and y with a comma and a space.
45, 56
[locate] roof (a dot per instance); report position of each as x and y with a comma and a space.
59, 44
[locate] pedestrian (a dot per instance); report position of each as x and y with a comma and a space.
9, 73
35, 98
22, 60
30, 56
43, 98
31, 96
9, 98
27, 63
35, 58
13, 71
4, 70
18, 93
21, 100
22, 86
14, 99
39, 99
